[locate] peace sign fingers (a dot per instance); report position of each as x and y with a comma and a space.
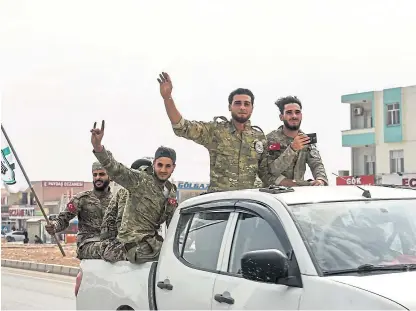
97, 134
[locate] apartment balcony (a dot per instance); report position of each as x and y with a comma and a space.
358, 137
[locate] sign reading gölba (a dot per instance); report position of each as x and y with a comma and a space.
187, 190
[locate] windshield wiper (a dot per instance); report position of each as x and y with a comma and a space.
370, 268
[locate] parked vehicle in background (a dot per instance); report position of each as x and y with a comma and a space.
15, 236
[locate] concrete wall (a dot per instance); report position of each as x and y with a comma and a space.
407, 130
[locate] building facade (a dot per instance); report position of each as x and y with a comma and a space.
382, 137
19, 207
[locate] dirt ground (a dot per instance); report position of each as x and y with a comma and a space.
45, 253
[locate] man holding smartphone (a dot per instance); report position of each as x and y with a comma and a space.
293, 148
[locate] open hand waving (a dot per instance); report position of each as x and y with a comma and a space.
97, 136
165, 85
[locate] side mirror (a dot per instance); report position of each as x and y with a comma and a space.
267, 266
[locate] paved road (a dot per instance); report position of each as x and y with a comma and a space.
29, 290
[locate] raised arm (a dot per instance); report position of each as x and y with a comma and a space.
199, 132
117, 171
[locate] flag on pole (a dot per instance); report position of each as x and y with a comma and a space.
11, 174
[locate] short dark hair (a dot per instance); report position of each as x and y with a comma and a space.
283, 101
240, 91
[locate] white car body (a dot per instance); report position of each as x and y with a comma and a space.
122, 285
15, 236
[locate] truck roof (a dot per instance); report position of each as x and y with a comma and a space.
300, 195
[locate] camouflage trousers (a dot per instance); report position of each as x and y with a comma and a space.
145, 251
89, 250
113, 250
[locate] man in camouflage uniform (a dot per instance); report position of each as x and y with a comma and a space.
289, 149
236, 148
111, 248
90, 207
151, 201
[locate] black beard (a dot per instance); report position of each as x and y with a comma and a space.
291, 127
239, 119
103, 186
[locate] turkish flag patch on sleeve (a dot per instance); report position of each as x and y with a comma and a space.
71, 207
274, 146
172, 201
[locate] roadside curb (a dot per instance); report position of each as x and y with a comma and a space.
40, 267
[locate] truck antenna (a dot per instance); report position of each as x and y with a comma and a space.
365, 194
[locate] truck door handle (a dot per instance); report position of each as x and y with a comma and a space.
164, 285
222, 298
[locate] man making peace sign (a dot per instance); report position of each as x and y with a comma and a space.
152, 200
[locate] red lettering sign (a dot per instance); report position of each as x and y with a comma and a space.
355, 180
63, 184
21, 212
411, 182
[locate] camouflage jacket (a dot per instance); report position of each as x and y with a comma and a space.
89, 206
235, 158
113, 215
148, 205
284, 162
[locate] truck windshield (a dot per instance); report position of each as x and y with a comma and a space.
347, 235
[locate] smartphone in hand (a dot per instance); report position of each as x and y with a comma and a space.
313, 138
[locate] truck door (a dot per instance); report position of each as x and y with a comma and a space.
256, 228
191, 256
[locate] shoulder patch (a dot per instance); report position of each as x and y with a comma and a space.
71, 207
313, 151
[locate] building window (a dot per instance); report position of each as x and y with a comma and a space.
393, 114
369, 165
396, 161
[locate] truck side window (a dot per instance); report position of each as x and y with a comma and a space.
252, 233
203, 239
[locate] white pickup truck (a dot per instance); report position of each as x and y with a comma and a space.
289, 249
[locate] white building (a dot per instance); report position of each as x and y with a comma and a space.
382, 136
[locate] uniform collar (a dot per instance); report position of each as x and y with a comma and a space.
280, 129
247, 126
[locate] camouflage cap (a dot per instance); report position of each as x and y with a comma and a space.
97, 166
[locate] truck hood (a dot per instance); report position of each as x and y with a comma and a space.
398, 286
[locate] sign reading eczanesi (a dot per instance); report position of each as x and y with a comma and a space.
403, 180
50, 183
